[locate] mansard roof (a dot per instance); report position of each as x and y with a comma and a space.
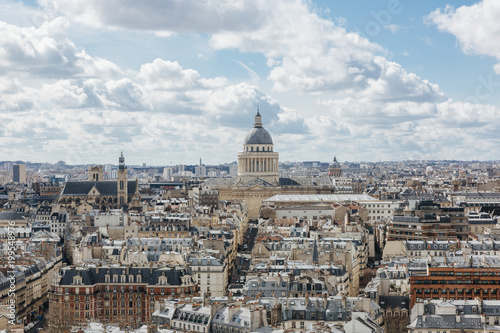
150, 276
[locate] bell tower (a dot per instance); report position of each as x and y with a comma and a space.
122, 191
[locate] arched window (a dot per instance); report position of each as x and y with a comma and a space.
251, 149
257, 148
122, 185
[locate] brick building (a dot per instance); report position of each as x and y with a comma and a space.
456, 283
115, 295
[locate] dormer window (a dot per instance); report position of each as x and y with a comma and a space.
162, 280
77, 280
115, 278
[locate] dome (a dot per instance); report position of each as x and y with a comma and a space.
258, 136
335, 163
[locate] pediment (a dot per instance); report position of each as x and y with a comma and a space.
93, 192
256, 188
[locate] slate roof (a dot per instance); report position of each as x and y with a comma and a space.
288, 182
428, 245
11, 216
402, 302
257, 181
93, 275
105, 188
241, 319
207, 261
466, 322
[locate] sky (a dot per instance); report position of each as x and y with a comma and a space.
172, 81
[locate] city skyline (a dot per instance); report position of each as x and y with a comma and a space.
366, 81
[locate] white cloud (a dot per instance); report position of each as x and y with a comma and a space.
337, 93
46, 52
165, 16
313, 55
393, 28
476, 27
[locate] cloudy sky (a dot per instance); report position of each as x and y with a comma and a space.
170, 81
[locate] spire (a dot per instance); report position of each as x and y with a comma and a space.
315, 257
121, 162
258, 119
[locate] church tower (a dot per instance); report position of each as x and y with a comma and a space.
96, 173
258, 161
122, 191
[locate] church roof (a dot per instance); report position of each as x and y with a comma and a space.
109, 188
258, 135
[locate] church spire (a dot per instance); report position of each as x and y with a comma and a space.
258, 119
121, 162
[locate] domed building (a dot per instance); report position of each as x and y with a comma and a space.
258, 174
258, 163
335, 169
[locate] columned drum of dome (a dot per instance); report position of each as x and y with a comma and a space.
258, 159
335, 169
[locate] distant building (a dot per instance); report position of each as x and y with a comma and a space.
103, 195
335, 169
168, 173
96, 173
47, 189
258, 174
200, 171
311, 164
258, 159
426, 220
19, 173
